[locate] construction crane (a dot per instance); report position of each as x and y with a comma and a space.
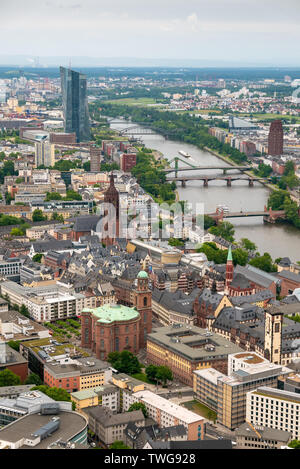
259, 435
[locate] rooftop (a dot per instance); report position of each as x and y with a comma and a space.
71, 424
192, 342
108, 314
177, 411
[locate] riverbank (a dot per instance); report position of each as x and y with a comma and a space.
226, 159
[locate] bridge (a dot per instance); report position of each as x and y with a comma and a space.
190, 167
140, 128
268, 215
206, 179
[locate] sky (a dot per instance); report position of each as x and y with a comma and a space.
216, 32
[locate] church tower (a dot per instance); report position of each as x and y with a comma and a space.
229, 269
143, 303
112, 211
273, 335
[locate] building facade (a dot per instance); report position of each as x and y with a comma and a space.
75, 104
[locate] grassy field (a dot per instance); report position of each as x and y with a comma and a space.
142, 377
200, 409
132, 101
269, 116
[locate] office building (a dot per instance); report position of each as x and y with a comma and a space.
226, 395
275, 139
274, 408
75, 104
185, 349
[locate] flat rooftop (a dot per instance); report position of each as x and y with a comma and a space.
278, 394
250, 358
193, 343
71, 423
164, 405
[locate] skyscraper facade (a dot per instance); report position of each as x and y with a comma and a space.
44, 154
95, 155
75, 104
275, 141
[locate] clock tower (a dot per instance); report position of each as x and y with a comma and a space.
273, 335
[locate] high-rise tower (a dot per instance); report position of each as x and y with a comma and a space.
75, 104
275, 140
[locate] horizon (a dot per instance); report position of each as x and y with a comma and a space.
215, 32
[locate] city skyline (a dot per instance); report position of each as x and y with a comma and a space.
208, 32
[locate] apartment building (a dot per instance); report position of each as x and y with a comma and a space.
226, 395
167, 413
274, 408
106, 396
108, 426
76, 374
46, 303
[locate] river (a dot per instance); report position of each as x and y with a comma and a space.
278, 240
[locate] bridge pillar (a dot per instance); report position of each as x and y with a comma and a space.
229, 182
251, 183
205, 182
183, 184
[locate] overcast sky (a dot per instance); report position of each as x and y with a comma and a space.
242, 31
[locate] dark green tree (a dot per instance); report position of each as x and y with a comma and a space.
8, 378
138, 406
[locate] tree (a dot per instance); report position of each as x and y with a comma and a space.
125, 362
8, 378
264, 263
16, 232
37, 215
224, 230
53, 196
294, 444
37, 257
138, 406
248, 245
118, 444
24, 310
56, 216
33, 378
15, 344
57, 394
151, 371
239, 256
164, 374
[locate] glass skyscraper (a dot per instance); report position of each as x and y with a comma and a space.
75, 104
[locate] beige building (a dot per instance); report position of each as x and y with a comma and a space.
44, 154
226, 395
107, 396
274, 408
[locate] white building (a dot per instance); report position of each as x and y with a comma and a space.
274, 408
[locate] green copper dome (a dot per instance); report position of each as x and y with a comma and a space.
142, 274
113, 313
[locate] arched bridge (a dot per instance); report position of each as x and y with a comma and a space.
268, 215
